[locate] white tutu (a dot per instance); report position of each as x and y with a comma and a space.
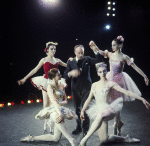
95, 108
125, 81
45, 113
41, 83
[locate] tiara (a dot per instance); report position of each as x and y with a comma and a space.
100, 64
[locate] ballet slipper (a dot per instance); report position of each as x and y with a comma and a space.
27, 138
131, 139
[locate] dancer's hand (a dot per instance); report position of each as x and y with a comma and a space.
93, 46
71, 59
146, 103
82, 116
21, 82
59, 119
74, 73
146, 81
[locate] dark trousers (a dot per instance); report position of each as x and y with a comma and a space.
79, 99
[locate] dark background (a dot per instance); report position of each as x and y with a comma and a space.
28, 26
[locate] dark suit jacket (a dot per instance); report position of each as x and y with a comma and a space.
83, 82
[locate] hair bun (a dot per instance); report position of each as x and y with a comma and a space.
120, 38
51, 43
100, 64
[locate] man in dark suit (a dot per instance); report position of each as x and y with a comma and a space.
79, 70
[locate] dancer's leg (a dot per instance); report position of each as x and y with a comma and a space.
45, 104
103, 131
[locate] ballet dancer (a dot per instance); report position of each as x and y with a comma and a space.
102, 110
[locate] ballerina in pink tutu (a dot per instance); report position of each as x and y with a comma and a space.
41, 82
117, 61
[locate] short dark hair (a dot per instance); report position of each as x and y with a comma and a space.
52, 73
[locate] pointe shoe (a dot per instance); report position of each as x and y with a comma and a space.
131, 139
115, 128
27, 138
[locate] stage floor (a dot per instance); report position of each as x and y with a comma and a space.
18, 121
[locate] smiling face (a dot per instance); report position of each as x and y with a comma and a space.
79, 52
115, 46
52, 50
101, 72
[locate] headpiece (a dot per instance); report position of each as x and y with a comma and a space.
120, 38
50, 43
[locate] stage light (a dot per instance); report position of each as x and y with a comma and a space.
113, 9
29, 101
107, 27
37, 100
109, 8
114, 3
113, 15
109, 3
9, 104
1, 105
40, 100
108, 14
49, 3
32, 101
12, 103
22, 102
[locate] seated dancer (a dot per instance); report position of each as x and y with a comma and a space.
102, 109
41, 82
56, 112
117, 61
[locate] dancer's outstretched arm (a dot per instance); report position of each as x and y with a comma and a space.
86, 104
55, 103
32, 72
93, 46
61, 63
129, 93
130, 62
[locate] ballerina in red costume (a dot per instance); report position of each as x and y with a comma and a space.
117, 61
41, 82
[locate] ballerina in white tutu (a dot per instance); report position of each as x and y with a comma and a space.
57, 112
41, 82
101, 111
117, 61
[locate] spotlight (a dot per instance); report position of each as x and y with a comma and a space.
22, 102
114, 3
68, 97
108, 14
40, 100
1, 105
113, 9
113, 15
12, 103
109, 3
107, 27
109, 8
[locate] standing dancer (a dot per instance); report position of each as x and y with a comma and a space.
41, 82
102, 111
79, 70
56, 111
117, 61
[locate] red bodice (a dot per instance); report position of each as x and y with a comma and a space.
47, 66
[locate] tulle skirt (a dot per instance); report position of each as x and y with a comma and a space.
96, 108
41, 83
46, 112
125, 81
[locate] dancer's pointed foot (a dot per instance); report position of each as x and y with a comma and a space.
115, 128
27, 138
82, 143
131, 139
